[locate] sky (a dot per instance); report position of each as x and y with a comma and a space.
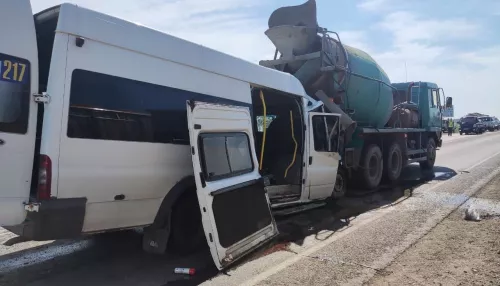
453, 43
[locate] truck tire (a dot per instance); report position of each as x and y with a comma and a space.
393, 162
340, 188
431, 155
187, 235
372, 167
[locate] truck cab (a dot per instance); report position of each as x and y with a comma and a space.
430, 99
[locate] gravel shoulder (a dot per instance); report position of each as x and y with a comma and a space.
455, 252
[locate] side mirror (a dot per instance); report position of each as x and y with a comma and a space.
449, 102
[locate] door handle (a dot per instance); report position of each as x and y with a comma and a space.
2, 142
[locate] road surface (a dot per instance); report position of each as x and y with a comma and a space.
348, 243
455, 252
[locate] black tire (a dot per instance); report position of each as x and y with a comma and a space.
372, 167
431, 155
461, 133
393, 162
340, 188
186, 231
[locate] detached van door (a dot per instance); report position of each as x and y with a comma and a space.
18, 80
235, 207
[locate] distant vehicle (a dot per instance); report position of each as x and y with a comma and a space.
472, 124
496, 123
488, 122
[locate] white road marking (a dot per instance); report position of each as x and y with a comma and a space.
482, 161
463, 137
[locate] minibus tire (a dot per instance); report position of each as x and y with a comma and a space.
186, 232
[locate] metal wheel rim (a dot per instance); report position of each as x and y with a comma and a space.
339, 183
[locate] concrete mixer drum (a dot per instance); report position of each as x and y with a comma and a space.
345, 74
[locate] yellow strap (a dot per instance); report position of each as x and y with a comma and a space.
296, 145
265, 129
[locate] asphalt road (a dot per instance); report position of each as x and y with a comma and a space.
347, 243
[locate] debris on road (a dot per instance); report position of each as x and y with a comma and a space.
472, 214
188, 271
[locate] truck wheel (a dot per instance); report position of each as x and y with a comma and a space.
340, 188
372, 167
393, 162
187, 233
431, 155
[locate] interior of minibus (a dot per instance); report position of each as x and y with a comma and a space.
279, 136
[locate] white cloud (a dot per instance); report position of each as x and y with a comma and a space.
407, 27
469, 77
219, 24
373, 5
484, 57
412, 41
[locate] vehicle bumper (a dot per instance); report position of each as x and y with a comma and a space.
53, 219
472, 130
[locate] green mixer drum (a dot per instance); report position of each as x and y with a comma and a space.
370, 100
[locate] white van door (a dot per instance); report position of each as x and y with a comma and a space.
235, 208
323, 154
18, 81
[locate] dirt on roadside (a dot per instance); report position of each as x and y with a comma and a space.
455, 252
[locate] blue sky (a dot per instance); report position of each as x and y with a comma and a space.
454, 43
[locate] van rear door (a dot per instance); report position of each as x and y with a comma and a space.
18, 81
235, 208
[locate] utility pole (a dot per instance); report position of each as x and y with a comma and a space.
406, 72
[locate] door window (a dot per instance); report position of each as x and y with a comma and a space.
225, 155
434, 98
14, 94
415, 94
260, 122
325, 133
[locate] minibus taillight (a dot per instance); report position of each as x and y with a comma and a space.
44, 178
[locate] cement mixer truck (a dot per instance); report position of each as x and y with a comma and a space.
384, 126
